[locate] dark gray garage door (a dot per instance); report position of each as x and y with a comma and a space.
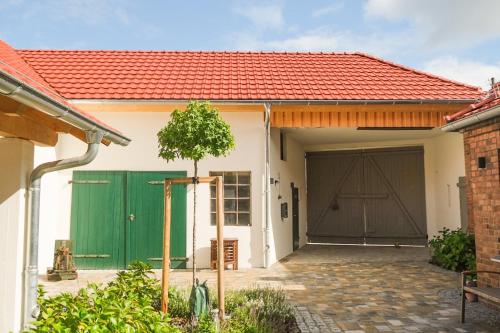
374, 196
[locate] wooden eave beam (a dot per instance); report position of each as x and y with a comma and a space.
14, 109
25, 128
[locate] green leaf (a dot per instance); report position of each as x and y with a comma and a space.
195, 133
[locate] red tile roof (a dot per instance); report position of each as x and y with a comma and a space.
237, 76
490, 100
15, 66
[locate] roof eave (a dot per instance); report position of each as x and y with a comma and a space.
472, 119
276, 101
23, 93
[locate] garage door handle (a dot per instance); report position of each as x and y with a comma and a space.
131, 217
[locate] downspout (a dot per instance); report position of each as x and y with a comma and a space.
267, 236
93, 139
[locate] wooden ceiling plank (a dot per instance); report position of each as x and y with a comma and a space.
24, 128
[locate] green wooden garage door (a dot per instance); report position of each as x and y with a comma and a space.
117, 217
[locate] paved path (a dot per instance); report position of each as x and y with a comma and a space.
347, 289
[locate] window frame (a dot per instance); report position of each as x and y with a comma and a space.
237, 212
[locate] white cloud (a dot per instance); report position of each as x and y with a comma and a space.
323, 39
466, 71
264, 17
443, 23
328, 9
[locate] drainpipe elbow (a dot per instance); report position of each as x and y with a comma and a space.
93, 139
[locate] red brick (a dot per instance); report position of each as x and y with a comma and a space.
483, 194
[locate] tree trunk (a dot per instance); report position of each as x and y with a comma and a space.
194, 219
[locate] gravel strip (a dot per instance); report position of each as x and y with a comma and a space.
474, 312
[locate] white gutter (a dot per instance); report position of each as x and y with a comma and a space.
472, 119
267, 231
277, 102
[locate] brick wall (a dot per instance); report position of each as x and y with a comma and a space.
483, 194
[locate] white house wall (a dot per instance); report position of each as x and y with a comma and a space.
292, 170
142, 155
17, 163
447, 152
443, 159
443, 163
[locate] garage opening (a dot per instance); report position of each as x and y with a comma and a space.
367, 196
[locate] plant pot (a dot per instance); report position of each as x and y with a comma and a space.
471, 297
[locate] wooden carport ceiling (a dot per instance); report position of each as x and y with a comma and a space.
361, 115
20, 121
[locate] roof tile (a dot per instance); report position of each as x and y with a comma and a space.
490, 100
15, 66
236, 76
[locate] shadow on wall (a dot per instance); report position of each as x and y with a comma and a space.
202, 257
8, 185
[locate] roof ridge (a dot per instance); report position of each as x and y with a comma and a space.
188, 51
416, 71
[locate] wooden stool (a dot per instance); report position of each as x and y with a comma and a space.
230, 253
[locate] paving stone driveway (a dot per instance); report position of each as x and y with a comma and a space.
356, 289
348, 289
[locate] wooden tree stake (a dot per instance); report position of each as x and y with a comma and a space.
220, 245
166, 245
220, 238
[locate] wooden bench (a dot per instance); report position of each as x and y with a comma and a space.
490, 294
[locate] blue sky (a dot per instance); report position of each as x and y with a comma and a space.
459, 39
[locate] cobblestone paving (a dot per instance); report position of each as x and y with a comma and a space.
347, 289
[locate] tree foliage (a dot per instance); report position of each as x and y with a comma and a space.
195, 133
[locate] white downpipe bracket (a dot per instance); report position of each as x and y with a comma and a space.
267, 177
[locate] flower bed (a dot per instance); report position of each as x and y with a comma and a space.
131, 303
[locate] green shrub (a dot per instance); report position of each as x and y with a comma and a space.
241, 321
258, 310
178, 304
454, 250
205, 325
233, 300
272, 310
131, 303
124, 305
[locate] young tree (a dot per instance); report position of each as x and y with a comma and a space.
193, 134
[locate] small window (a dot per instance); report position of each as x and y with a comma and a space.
481, 162
237, 203
282, 145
